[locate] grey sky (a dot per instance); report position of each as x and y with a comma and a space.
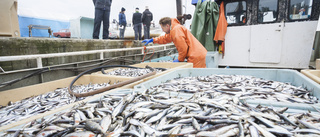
70, 9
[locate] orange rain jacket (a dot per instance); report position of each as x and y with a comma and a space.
187, 45
221, 28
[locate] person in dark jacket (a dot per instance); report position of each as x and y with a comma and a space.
137, 24
146, 20
122, 22
102, 13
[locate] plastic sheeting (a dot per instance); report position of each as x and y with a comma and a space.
55, 25
204, 23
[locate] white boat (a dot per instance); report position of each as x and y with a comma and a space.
270, 33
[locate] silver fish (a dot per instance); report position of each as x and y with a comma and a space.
105, 123
263, 131
195, 124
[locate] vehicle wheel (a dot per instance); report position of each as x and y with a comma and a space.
59, 36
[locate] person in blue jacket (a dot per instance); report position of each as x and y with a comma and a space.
101, 14
122, 22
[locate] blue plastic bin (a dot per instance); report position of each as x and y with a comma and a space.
282, 75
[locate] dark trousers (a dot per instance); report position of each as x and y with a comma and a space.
137, 31
121, 35
101, 15
146, 30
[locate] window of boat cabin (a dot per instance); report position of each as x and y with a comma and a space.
300, 9
236, 12
268, 11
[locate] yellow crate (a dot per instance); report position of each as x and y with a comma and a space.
34, 90
312, 74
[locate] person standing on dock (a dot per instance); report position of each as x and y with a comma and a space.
122, 22
137, 24
101, 14
147, 17
187, 45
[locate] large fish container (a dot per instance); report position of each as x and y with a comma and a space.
282, 75
38, 89
211, 59
67, 108
170, 66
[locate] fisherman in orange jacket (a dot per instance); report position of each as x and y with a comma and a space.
187, 45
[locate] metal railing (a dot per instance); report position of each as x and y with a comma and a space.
39, 57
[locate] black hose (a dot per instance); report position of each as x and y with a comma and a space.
7, 83
94, 70
43, 70
19, 79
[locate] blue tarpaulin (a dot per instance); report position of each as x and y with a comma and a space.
194, 2
55, 26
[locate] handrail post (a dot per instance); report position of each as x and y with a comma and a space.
39, 62
101, 55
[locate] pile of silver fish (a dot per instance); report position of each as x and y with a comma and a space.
238, 87
212, 108
45, 102
131, 72
203, 114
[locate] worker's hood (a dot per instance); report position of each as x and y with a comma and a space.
174, 22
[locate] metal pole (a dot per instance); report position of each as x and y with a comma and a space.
101, 55
39, 62
179, 7
65, 54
